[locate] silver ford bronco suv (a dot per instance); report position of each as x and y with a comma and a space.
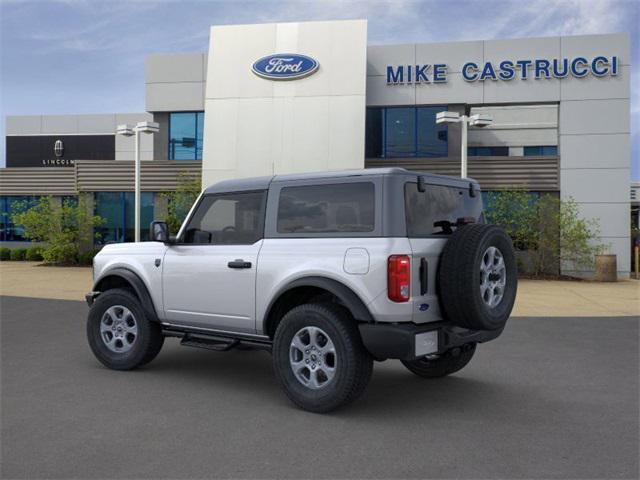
327, 271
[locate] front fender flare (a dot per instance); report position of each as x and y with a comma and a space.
137, 284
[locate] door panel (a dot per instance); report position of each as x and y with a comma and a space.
209, 276
201, 290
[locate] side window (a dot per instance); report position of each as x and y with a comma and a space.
336, 208
228, 219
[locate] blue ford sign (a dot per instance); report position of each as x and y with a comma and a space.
284, 66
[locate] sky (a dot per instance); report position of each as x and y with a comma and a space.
87, 56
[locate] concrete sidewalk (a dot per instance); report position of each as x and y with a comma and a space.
536, 298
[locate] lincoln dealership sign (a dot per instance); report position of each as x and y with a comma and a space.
285, 66
506, 70
58, 150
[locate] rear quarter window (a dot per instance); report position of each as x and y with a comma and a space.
437, 204
332, 208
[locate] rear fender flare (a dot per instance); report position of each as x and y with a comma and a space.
347, 296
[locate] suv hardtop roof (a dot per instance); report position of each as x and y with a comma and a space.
262, 183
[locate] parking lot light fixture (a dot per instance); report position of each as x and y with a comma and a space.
477, 120
128, 131
125, 130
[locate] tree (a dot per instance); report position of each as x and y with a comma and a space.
63, 227
549, 229
180, 201
515, 211
579, 237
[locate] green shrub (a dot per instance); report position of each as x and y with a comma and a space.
5, 253
18, 254
34, 254
86, 258
64, 227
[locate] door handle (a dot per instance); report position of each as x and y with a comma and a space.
239, 263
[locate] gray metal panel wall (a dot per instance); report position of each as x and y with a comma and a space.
532, 173
175, 82
38, 181
161, 139
157, 176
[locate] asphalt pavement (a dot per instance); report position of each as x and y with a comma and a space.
551, 398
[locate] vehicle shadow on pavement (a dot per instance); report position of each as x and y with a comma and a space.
391, 385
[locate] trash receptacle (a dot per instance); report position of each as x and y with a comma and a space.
606, 268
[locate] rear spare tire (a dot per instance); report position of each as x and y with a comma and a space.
477, 277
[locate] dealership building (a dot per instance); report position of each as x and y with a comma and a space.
313, 96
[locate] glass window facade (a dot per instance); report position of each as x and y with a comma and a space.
400, 132
488, 151
541, 151
116, 208
185, 135
10, 232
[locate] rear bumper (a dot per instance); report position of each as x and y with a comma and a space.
411, 341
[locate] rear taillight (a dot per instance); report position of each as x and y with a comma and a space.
399, 278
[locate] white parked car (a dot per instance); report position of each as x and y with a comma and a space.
328, 271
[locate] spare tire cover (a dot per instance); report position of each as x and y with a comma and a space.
477, 277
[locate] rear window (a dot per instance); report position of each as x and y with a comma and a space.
438, 203
335, 208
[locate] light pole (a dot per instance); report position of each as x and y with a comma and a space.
128, 131
477, 120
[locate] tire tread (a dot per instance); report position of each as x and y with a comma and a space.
357, 377
152, 339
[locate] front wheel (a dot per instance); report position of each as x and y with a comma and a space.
448, 363
319, 359
119, 333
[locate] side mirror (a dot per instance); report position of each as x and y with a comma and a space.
159, 232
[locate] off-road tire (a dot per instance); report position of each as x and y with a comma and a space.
446, 364
353, 363
149, 339
459, 277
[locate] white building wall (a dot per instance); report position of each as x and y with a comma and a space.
595, 143
254, 126
592, 114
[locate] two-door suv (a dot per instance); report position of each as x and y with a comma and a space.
328, 271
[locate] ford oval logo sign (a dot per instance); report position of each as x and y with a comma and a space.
285, 66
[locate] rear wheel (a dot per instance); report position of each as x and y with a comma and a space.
319, 359
119, 333
446, 364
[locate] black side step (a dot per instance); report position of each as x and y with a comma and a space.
219, 344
